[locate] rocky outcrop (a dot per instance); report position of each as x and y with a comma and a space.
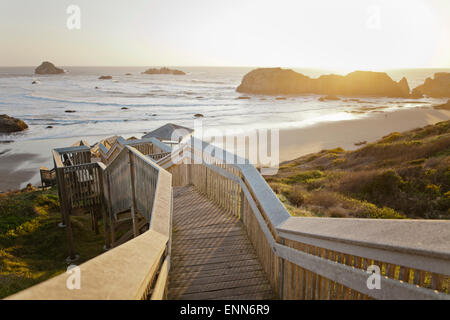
9, 124
48, 68
439, 87
403, 84
416, 94
164, 71
105, 77
445, 106
358, 83
329, 97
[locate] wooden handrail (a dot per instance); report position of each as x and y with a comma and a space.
108, 155
122, 273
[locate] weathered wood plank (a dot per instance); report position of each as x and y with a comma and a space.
189, 282
212, 257
221, 294
200, 273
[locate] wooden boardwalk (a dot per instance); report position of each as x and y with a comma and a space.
212, 257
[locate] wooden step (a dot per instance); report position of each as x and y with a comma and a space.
212, 257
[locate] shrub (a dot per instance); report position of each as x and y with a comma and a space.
322, 198
336, 150
304, 176
338, 161
295, 196
391, 137
433, 190
417, 161
386, 183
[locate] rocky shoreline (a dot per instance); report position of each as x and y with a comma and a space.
10, 124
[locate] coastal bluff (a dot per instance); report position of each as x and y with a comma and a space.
48, 68
357, 83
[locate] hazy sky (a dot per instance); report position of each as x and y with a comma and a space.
344, 35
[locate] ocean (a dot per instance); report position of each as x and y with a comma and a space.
154, 100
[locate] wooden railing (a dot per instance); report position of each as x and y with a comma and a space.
149, 147
137, 269
303, 258
320, 258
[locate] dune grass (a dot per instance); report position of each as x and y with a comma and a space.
403, 175
32, 246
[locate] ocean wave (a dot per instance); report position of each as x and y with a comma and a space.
208, 82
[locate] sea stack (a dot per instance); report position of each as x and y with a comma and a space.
439, 87
9, 124
276, 81
164, 71
48, 68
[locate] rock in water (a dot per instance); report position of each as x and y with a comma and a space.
439, 87
416, 94
358, 83
164, 71
105, 77
329, 97
10, 124
403, 84
198, 115
48, 68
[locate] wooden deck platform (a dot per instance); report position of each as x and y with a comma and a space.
212, 257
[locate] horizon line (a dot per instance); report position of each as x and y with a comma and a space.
224, 66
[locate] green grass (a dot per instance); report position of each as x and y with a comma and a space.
401, 175
32, 246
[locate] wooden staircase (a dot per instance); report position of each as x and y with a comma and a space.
212, 257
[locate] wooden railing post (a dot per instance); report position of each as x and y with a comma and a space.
65, 210
111, 221
281, 275
242, 206
104, 207
133, 195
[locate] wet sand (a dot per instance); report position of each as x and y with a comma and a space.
20, 160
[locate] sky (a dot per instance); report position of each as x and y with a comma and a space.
330, 34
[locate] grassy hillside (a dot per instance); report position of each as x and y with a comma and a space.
403, 175
32, 246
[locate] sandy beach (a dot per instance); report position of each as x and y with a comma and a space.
298, 142
21, 160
